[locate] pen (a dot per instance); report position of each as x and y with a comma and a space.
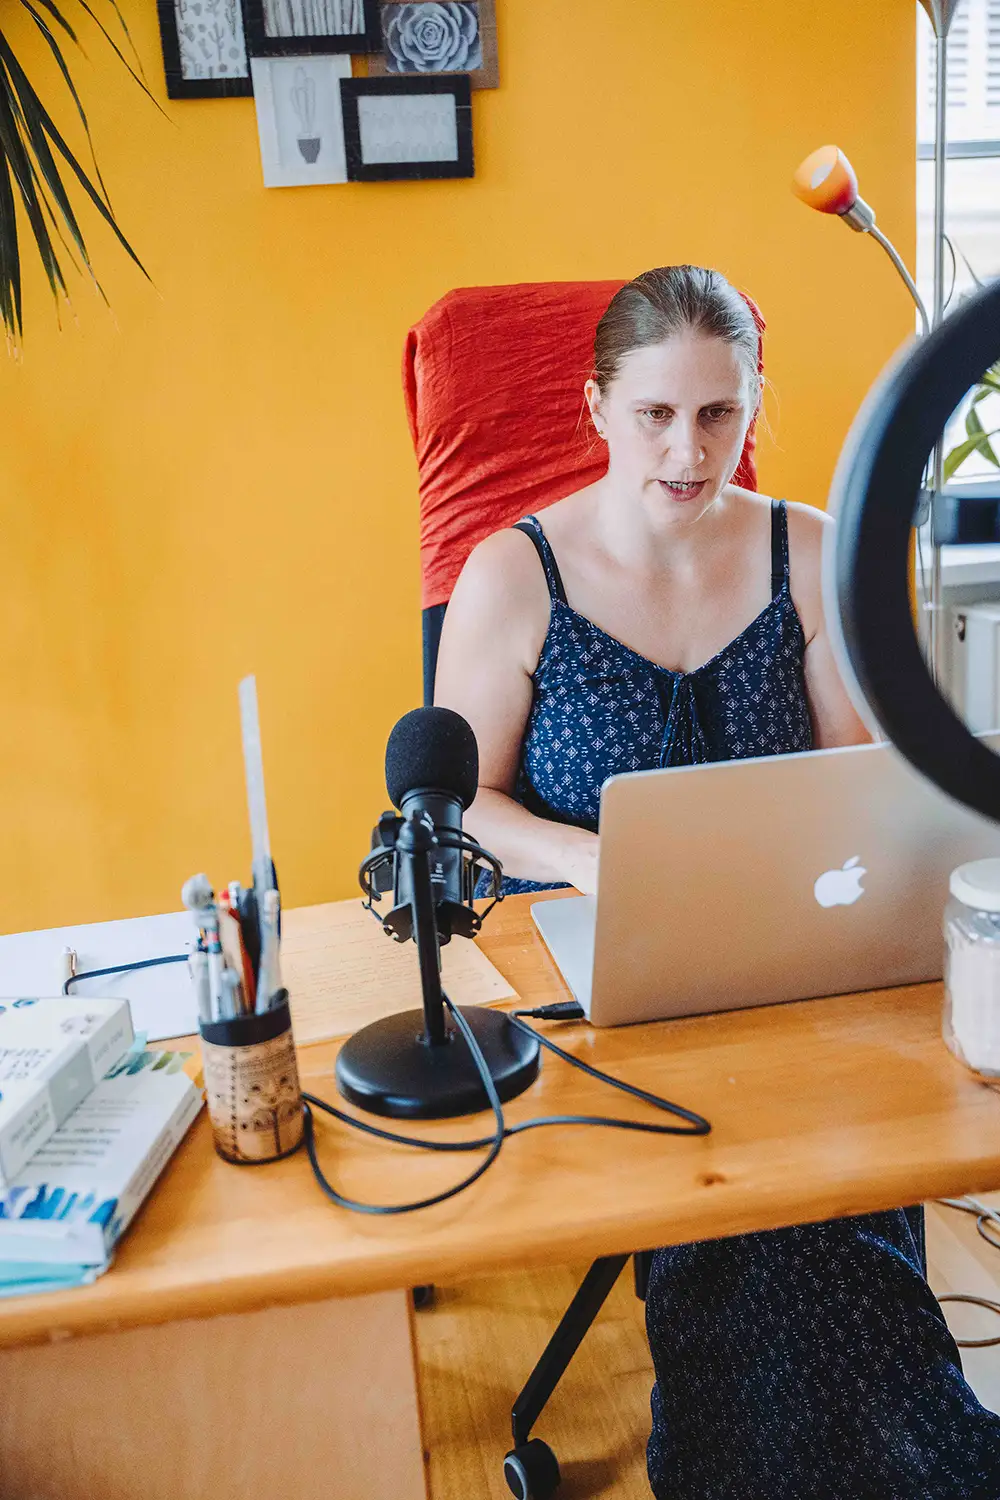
215, 959
198, 969
233, 946
232, 995
250, 928
269, 973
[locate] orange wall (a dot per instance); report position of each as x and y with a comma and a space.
217, 478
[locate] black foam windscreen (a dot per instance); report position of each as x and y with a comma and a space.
433, 749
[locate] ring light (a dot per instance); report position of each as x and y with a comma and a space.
874, 496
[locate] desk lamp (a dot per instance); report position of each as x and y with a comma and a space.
827, 182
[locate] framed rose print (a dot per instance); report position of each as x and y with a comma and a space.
432, 37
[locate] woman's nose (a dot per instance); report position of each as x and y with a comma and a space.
686, 446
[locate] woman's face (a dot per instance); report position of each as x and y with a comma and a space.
675, 419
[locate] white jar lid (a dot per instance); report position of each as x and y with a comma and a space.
977, 884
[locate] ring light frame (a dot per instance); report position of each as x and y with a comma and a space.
875, 493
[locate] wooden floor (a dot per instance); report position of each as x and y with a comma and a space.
479, 1341
959, 1261
477, 1345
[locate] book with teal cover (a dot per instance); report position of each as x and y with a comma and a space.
53, 1052
76, 1197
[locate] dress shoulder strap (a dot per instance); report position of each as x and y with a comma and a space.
531, 526
779, 547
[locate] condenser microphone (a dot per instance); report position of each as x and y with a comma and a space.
432, 772
414, 1064
431, 775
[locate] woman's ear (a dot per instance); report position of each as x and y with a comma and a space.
760, 398
592, 393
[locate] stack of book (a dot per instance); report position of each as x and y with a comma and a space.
89, 1117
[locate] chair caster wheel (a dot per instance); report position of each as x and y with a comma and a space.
423, 1296
531, 1471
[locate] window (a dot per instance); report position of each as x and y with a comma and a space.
972, 173
972, 195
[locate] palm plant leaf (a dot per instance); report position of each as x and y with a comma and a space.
114, 45
56, 51
24, 178
990, 381
981, 443
10, 278
36, 163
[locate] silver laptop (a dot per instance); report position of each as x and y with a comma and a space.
748, 882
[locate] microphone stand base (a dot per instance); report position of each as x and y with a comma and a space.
388, 1068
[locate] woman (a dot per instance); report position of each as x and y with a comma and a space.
663, 616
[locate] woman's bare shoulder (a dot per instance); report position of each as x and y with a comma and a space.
807, 518
505, 566
499, 609
807, 526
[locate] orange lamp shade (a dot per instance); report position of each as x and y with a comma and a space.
826, 181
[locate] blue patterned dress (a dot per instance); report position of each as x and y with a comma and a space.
809, 1363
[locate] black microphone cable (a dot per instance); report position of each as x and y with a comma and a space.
565, 1010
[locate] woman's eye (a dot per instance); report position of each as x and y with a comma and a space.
657, 413
718, 413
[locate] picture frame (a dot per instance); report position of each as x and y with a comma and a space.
406, 128
409, 49
295, 28
299, 119
205, 52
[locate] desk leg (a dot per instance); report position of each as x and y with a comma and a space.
295, 1402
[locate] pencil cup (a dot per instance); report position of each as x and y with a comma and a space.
252, 1086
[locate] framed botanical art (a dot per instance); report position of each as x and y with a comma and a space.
431, 37
299, 119
286, 28
405, 128
204, 49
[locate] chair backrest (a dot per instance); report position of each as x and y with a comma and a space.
493, 379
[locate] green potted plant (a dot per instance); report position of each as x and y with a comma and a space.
977, 439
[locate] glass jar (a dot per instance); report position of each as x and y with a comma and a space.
971, 1018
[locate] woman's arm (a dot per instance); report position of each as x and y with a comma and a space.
492, 636
835, 720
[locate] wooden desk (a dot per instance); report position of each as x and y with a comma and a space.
818, 1109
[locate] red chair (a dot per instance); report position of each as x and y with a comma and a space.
493, 378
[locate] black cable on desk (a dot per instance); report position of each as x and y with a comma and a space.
495, 1142
569, 1010
141, 963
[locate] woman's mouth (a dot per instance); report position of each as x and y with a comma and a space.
682, 489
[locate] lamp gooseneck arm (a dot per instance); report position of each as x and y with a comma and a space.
898, 262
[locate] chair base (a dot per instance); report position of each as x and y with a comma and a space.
530, 1468
532, 1471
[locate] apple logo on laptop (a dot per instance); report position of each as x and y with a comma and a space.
841, 887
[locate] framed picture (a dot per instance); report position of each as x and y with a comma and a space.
430, 37
288, 28
204, 49
299, 119
399, 128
